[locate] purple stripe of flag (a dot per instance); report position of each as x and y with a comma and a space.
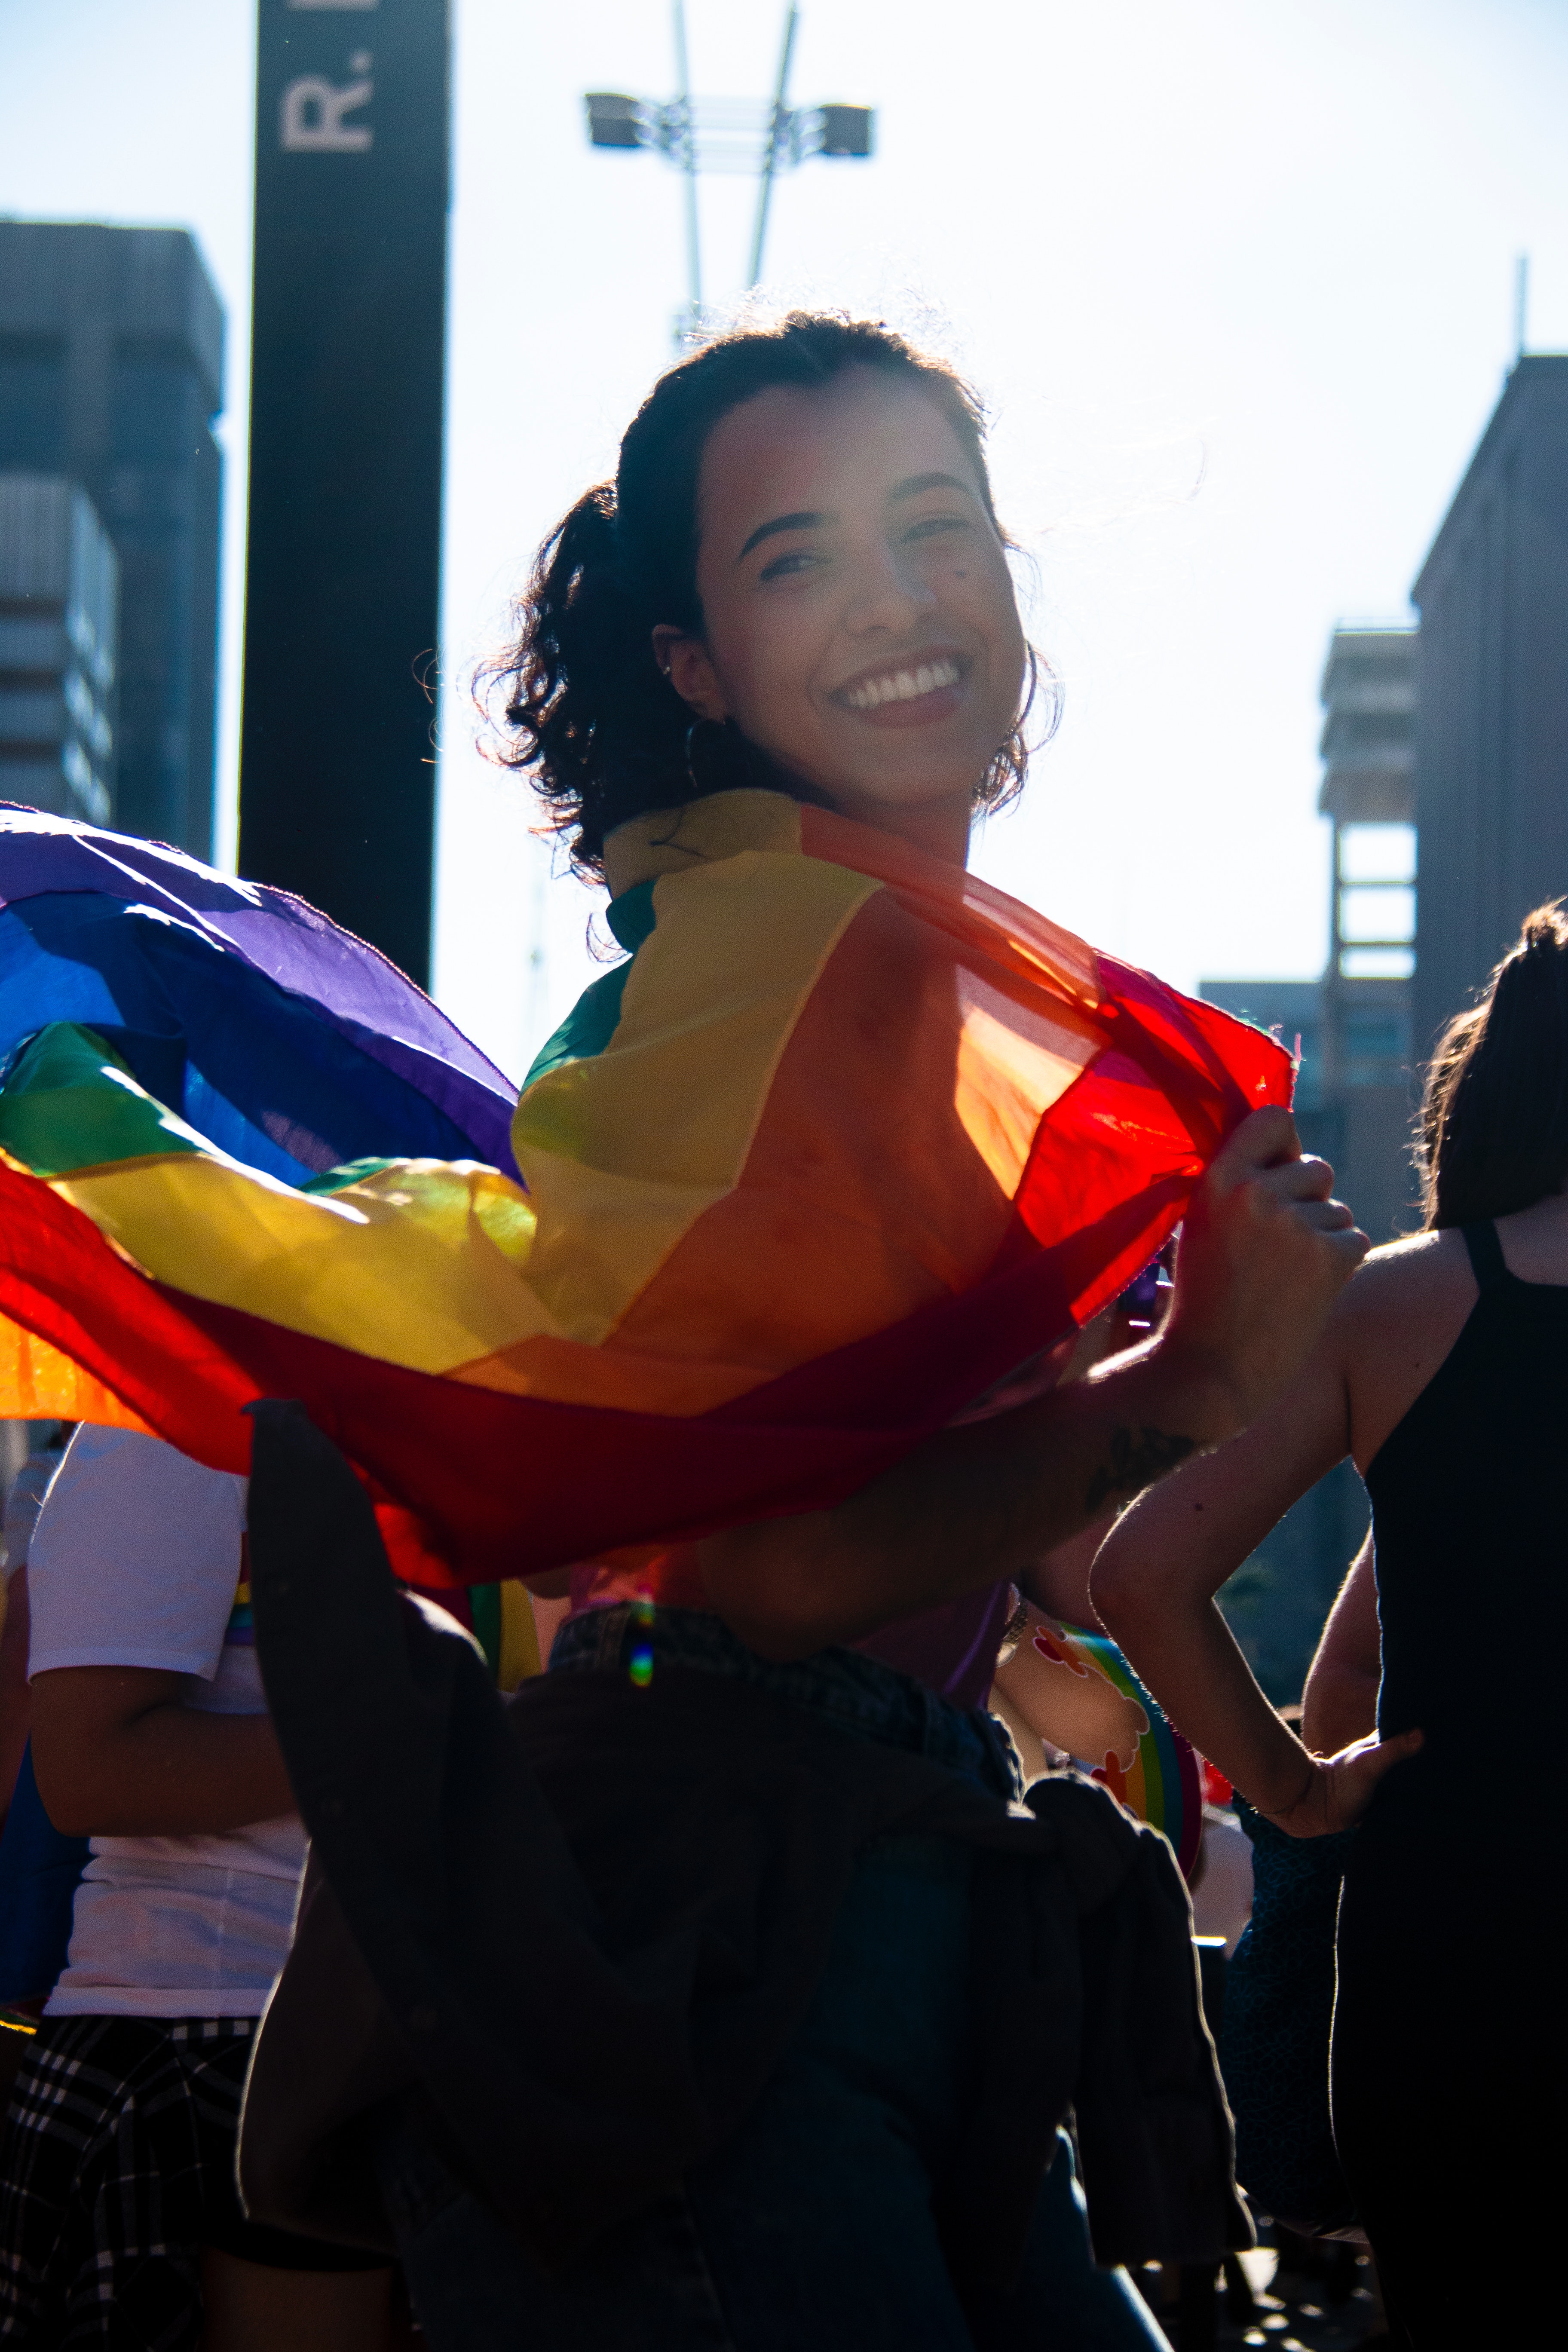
351, 984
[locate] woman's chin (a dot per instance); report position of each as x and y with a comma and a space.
909, 789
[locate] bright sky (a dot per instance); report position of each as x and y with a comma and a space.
1235, 275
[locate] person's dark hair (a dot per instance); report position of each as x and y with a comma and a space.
587, 710
1494, 1115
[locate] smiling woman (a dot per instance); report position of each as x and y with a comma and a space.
747, 1328
752, 1339
799, 547
821, 1181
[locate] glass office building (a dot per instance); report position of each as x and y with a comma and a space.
59, 599
111, 372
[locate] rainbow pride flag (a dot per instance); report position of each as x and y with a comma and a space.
1163, 1783
838, 1155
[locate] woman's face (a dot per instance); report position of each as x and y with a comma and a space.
860, 623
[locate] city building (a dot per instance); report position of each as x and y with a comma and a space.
1354, 1091
1354, 1097
111, 372
59, 600
1492, 788
1450, 740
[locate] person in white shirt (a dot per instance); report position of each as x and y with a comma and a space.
120, 2220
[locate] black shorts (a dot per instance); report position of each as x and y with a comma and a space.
116, 2168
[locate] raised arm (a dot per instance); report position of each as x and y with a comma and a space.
1158, 1572
1264, 1251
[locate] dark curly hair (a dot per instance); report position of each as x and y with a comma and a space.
1493, 1133
588, 712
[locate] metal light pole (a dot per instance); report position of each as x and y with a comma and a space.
777, 120
748, 136
689, 167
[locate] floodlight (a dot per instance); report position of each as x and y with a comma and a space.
613, 120
758, 138
846, 131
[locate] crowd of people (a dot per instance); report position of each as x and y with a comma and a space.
802, 1955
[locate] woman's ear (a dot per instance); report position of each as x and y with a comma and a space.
684, 662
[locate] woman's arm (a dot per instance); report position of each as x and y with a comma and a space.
1057, 1582
1264, 1253
118, 1753
1154, 1583
1339, 1703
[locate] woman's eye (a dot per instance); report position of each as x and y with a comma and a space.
784, 567
930, 525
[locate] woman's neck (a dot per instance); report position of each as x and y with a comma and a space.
937, 827
940, 829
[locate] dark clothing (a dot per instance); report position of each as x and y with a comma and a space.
117, 2169
40, 1870
1467, 1497
812, 2225
1448, 2086
1274, 2039
1449, 2031
592, 1923
846, 1690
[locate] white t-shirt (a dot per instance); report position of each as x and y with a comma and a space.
136, 1561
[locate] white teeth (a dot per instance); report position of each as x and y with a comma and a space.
904, 686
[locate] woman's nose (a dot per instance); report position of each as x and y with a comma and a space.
887, 593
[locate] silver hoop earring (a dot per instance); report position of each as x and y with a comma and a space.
692, 777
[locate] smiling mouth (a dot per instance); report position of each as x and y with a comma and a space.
904, 685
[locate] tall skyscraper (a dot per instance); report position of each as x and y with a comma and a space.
1491, 784
59, 600
111, 372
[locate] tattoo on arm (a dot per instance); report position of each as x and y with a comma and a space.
1137, 1458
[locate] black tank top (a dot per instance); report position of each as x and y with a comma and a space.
1469, 1499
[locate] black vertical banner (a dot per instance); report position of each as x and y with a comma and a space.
337, 782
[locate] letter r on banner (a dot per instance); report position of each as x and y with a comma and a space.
312, 117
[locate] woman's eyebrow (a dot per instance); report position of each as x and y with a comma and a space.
814, 518
918, 482
809, 520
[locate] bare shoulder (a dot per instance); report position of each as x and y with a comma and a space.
1397, 1318
1408, 1276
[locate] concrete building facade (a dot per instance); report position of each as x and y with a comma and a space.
1491, 755
59, 602
111, 373
1451, 743
1353, 1095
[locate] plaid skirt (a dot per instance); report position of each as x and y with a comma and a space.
116, 2169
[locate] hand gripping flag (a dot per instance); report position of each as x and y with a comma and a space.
844, 1145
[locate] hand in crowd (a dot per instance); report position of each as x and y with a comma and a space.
1339, 1787
1264, 1251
